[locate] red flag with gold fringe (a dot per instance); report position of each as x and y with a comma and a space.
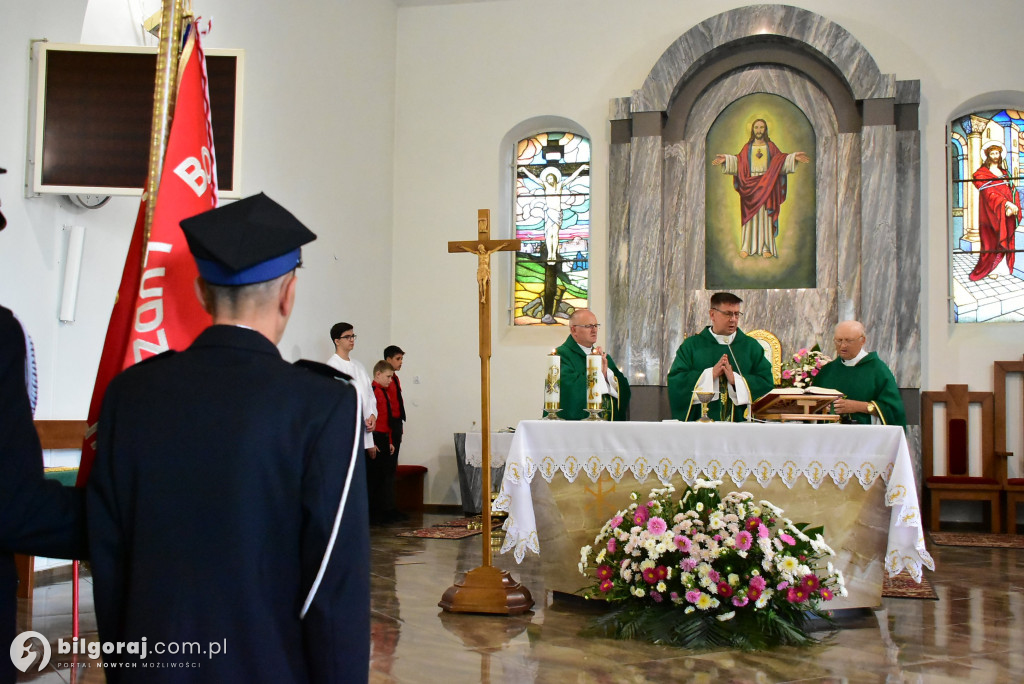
156, 307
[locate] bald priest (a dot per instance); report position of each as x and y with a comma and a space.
871, 394
611, 383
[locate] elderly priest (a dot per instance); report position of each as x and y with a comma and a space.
611, 383
871, 395
722, 360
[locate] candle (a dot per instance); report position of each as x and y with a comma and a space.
552, 384
593, 373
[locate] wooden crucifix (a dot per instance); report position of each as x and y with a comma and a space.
485, 589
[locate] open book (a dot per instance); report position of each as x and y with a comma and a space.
792, 401
824, 391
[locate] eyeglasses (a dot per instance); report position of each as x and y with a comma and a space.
347, 337
840, 341
592, 326
729, 314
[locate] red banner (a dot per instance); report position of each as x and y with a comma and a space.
156, 307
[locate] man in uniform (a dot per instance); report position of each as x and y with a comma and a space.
227, 505
722, 360
611, 383
871, 395
37, 516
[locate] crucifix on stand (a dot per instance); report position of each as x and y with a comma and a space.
485, 589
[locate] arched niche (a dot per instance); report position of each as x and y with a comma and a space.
867, 185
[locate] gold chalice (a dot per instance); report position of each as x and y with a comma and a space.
704, 398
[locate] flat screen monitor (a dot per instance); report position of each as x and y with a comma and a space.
92, 112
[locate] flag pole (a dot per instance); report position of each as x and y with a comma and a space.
164, 90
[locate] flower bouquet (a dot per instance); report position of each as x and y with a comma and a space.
703, 570
800, 372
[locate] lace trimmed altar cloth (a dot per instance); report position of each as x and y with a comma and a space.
577, 474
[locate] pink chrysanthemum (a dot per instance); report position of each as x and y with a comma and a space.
657, 526
640, 516
615, 521
682, 543
762, 531
754, 594
826, 594
714, 576
724, 590
693, 596
656, 596
650, 576
752, 524
811, 582
688, 564
743, 540
796, 594
787, 539
740, 601
604, 572
661, 571
781, 585
757, 582
612, 545
607, 585
787, 374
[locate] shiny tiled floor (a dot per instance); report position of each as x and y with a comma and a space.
975, 632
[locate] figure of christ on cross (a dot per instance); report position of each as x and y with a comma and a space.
485, 589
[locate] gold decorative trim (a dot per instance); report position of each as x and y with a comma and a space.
772, 351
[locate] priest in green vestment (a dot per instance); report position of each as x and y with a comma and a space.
612, 384
722, 360
871, 394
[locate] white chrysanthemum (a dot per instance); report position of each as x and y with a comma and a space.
699, 507
647, 565
626, 574
704, 602
761, 601
803, 570
689, 609
661, 586
788, 564
733, 579
650, 545
727, 616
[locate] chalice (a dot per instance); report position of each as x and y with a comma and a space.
704, 398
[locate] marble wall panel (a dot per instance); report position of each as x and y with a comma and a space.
848, 229
879, 244
679, 256
644, 299
907, 365
617, 324
845, 52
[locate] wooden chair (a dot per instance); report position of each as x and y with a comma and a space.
1013, 486
53, 434
772, 351
957, 483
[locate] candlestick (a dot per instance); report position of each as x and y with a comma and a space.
552, 386
594, 407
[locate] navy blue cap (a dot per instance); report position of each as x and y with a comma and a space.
249, 241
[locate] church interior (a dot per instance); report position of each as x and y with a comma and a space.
388, 124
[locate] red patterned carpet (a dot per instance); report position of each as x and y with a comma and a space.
997, 541
903, 586
452, 529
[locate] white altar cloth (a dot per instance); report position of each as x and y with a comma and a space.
717, 451
501, 442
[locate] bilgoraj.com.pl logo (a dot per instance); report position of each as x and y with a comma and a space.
28, 646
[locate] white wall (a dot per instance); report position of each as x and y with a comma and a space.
467, 73
381, 129
317, 136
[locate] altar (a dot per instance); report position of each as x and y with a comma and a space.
564, 479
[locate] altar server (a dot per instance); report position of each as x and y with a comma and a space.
227, 506
871, 394
722, 360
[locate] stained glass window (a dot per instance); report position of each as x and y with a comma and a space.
552, 204
986, 157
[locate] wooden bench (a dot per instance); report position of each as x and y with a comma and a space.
409, 487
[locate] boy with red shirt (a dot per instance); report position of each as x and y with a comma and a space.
380, 469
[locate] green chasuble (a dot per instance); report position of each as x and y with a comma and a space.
871, 381
573, 385
703, 351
